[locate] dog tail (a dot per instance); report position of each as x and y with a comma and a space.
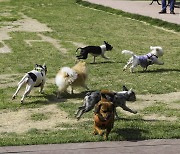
127, 52
77, 50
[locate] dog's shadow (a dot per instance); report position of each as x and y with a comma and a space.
103, 62
49, 99
52, 98
162, 70
132, 133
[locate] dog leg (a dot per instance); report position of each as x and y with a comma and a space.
104, 56
19, 87
28, 90
116, 115
108, 130
124, 107
42, 87
78, 110
97, 130
130, 61
94, 59
81, 112
29, 86
72, 92
131, 69
134, 64
58, 95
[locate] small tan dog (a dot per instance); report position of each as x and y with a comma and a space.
103, 118
73, 77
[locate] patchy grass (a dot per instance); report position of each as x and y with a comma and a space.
39, 116
70, 24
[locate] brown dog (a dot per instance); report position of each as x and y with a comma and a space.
103, 118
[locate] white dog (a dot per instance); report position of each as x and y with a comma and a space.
144, 60
34, 78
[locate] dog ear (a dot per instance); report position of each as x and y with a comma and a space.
45, 67
97, 108
124, 88
130, 91
105, 42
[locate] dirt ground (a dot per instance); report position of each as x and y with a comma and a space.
20, 121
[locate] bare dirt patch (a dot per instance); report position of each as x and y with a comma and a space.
20, 121
27, 24
8, 80
155, 117
144, 101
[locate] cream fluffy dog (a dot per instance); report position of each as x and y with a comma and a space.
144, 60
73, 77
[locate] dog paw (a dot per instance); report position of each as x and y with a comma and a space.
95, 133
135, 112
78, 118
105, 137
42, 92
13, 97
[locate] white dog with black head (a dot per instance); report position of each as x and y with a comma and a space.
34, 78
144, 60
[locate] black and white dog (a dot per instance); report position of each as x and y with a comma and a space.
118, 99
34, 78
94, 50
144, 60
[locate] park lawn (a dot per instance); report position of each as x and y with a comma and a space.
73, 23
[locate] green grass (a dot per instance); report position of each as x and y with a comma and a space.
156, 22
39, 116
72, 22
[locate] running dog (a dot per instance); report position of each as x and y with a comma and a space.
103, 118
144, 60
118, 99
94, 50
73, 77
90, 100
34, 78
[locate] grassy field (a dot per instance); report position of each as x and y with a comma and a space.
74, 25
